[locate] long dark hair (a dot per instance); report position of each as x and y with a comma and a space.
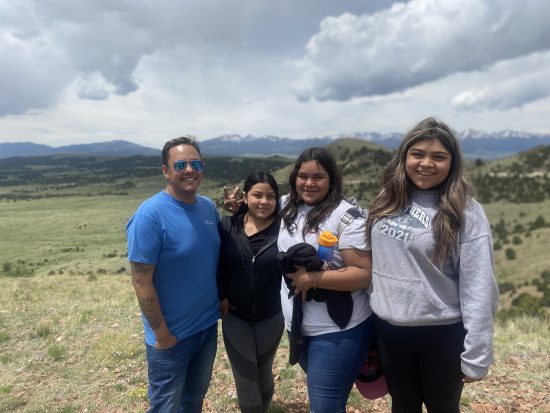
453, 194
324, 208
259, 178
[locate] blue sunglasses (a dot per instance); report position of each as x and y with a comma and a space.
181, 165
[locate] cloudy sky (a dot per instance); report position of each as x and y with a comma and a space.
80, 71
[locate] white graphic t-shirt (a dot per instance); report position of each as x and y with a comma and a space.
347, 222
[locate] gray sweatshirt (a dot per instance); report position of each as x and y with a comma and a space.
409, 290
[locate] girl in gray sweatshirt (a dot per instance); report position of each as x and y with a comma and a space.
433, 288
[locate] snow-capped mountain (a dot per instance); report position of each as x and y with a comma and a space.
475, 144
258, 145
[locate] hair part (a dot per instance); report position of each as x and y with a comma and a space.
184, 140
324, 208
259, 178
453, 194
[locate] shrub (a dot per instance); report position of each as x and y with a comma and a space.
505, 287
519, 228
43, 330
516, 240
545, 275
510, 254
527, 303
18, 270
4, 337
497, 246
68, 409
539, 223
6, 358
56, 352
542, 287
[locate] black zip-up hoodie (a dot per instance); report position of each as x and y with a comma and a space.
250, 282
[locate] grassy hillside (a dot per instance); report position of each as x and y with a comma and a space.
69, 324
519, 178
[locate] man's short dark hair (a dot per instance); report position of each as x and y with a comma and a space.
184, 140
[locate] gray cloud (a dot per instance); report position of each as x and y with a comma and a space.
98, 45
512, 84
46, 46
414, 43
33, 69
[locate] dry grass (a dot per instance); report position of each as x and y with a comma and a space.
73, 341
99, 363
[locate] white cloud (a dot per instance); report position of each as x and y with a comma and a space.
81, 71
508, 84
47, 45
414, 43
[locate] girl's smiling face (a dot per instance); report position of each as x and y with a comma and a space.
312, 182
428, 163
261, 200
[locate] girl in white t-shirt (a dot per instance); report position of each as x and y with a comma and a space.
331, 356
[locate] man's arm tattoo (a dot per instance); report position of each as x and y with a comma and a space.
147, 305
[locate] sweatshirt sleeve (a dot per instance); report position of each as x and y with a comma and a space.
478, 292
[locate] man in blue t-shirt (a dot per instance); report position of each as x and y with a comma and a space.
173, 247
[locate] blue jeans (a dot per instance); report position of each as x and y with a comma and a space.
179, 376
331, 363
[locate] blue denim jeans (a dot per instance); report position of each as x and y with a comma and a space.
331, 363
179, 376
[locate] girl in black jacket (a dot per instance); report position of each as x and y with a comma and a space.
249, 281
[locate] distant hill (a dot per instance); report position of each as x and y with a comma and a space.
111, 148
361, 164
522, 177
475, 145
532, 162
483, 145
236, 145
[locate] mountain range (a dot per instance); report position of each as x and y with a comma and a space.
113, 148
475, 144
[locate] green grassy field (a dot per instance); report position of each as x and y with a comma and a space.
71, 335
532, 252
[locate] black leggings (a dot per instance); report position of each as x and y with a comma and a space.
422, 365
251, 349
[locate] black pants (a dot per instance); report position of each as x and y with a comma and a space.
422, 365
251, 348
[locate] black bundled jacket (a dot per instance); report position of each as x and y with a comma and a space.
251, 283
